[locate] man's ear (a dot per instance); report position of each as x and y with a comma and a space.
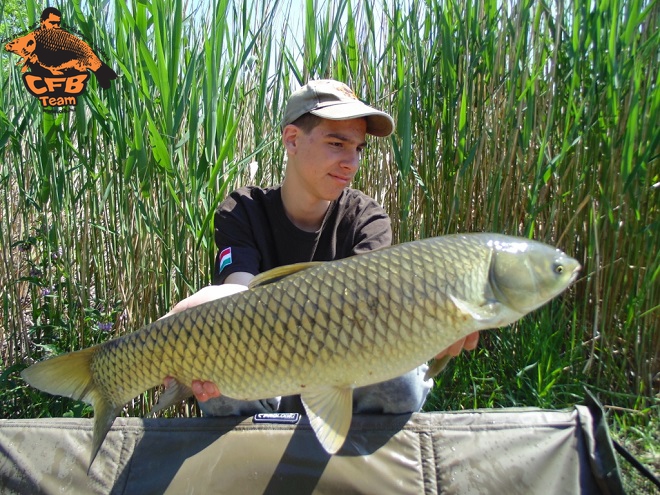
290, 135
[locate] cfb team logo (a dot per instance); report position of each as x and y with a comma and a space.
58, 61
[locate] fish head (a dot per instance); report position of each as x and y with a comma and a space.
526, 274
23, 46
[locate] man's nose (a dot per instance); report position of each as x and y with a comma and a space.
351, 160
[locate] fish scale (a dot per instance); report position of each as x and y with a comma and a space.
61, 40
320, 329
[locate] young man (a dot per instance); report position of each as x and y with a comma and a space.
50, 18
312, 216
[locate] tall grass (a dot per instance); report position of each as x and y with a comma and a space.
529, 118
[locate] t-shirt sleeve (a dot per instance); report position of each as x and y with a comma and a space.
237, 251
374, 229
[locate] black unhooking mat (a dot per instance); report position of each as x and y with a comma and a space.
505, 451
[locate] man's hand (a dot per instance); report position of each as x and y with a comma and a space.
468, 343
209, 293
205, 390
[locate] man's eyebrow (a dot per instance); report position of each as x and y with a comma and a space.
341, 137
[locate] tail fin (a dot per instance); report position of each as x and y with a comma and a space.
71, 375
104, 75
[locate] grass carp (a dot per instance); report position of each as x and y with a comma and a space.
319, 329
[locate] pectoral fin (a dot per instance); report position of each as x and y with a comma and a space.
173, 395
481, 313
330, 410
436, 367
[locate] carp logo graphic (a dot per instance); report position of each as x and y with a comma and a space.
58, 61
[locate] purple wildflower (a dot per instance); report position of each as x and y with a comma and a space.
105, 327
55, 255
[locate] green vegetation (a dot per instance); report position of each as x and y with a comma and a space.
528, 118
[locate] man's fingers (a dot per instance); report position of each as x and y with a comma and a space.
471, 341
456, 348
468, 343
205, 390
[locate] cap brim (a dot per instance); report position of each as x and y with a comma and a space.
378, 123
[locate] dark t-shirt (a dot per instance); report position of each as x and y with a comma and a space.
253, 233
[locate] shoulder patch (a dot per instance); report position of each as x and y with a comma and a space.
224, 259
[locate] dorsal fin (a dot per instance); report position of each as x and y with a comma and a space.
270, 276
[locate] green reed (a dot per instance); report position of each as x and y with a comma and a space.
529, 118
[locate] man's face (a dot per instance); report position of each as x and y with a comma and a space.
325, 161
53, 21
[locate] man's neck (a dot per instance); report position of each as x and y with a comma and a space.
305, 212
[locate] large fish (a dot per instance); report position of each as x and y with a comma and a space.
320, 329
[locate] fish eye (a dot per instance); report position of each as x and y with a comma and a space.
558, 269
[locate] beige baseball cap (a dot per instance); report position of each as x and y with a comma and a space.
333, 100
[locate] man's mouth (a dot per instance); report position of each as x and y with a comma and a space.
341, 178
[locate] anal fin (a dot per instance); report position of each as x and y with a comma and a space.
330, 411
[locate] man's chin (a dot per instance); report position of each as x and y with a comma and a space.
333, 196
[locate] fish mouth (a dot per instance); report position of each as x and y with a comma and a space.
574, 275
